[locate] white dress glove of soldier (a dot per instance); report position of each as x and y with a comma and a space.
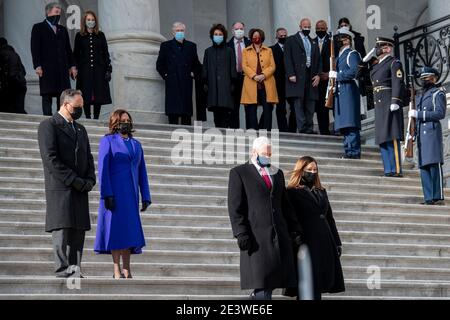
332, 74
395, 107
413, 114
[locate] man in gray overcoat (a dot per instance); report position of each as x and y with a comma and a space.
431, 108
69, 175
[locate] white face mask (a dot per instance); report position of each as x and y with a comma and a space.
239, 34
346, 28
90, 24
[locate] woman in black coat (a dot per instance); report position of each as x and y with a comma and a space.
310, 202
94, 65
219, 72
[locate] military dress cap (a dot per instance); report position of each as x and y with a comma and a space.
385, 41
343, 32
426, 72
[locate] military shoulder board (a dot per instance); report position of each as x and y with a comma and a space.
440, 90
348, 56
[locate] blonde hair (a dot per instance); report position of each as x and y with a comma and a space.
295, 181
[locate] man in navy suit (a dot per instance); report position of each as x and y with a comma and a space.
238, 43
431, 109
52, 57
178, 64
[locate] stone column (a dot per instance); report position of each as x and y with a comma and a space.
132, 29
437, 9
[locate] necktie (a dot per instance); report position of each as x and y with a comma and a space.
320, 45
73, 127
54, 29
308, 51
266, 179
239, 56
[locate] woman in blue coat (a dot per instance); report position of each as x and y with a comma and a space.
122, 175
347, 103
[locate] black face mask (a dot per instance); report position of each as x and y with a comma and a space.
379, 51
77, 113
306, 32
54, 20
321, 34
282, 40
427, 84
125, 128
309, 178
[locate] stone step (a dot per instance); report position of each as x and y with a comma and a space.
219, 200
208, 257
229, 245
201, 286
189, 209
389, 235
222, 220
327, 178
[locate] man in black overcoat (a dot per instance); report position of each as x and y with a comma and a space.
178, 64
263, 223
52, 57
69, 173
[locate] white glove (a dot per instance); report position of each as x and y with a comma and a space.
413, 114
332, 74
370, 55
395, 107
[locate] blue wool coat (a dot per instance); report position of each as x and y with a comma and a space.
432, 107
347, 103
121, 175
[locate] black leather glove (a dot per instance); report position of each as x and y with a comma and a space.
89, 185
296, 239
244, 242
339, 250
145, 205
78, 184
108, 76
110, 203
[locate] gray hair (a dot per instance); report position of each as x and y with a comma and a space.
234, 24
69, 95
52, 5
178, 24
260, 143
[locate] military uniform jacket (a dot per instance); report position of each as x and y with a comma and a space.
387, 78
431, 107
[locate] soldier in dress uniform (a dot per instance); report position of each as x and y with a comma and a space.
431, 108
388, 82
347, 102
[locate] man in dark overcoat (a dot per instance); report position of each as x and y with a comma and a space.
69, 176
52, 57
178, 64
431, 109
263, 223
303, 67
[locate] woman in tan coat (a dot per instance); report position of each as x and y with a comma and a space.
259, 83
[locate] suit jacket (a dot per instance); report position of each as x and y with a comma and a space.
267, 217
295, 63
280, 71
230, 44
175, 64
65, 155
53, 53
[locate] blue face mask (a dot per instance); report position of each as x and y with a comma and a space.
218, 39
264, 161
179, 36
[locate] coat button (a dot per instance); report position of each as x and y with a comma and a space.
322, 216
424, 132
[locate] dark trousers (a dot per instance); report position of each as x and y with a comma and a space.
282, 120
432, 182
87, 111
323, 115
391, 155
47, 102
175, 119
68, 249
352, 141
235, 121
15, 99
222, 118
304, 112
262, 294
251, 113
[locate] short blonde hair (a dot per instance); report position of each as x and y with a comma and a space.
261, 142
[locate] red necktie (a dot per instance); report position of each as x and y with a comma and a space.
266, 179
239, 55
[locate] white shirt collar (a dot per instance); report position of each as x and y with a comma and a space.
281, 45
60, 113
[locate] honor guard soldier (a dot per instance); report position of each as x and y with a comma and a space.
431, 108
389, 89
347, 101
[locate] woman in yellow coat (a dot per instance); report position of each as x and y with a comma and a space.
259, 82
